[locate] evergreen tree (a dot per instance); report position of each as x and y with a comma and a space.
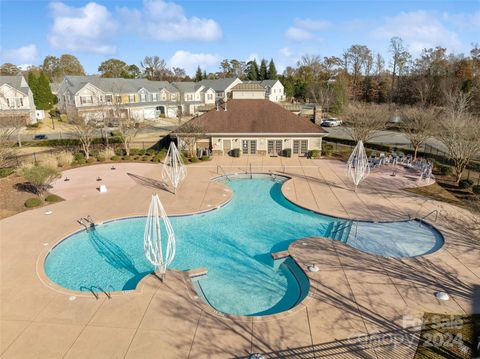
252, 73
272, 71
198, 74
263, 73
42, 93
204, 74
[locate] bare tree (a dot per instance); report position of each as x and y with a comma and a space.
322, 93
85, 130
418, 124
189, 134
459, 131
363, 121
6, 146
128, 129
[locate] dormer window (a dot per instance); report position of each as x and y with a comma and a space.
131, 98
142, 97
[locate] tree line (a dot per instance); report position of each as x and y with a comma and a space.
358, 74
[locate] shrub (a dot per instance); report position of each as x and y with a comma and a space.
80, 162
65, 158
205, 158
151, 152
327, 149
445, 170
194, 159
314, 154
91, 160
476, 189
33, 125
115, 158
39, 177
126, 158
145, 158
78, 156
287, 152
7, 171
235, 152
100, 158
107, 152
162, 153
33, 202
134, 151
141, 152
120, 152
156, 159
465, 183
48, 160
52, 198
116, 133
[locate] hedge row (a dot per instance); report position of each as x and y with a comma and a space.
69, 142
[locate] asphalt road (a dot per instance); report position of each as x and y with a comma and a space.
388, 138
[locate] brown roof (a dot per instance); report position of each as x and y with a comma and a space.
253, 116
245, 86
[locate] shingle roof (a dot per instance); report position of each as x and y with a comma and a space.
15, 82
117, 85
219, 85
263, 83
253, 116
248, 86
187, 86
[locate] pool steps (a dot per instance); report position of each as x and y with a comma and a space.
197, 272
340, 230
280, 255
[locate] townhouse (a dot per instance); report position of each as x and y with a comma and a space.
16, 101
101, 99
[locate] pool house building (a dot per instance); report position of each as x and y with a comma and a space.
251, 127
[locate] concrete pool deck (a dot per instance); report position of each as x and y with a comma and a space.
356, 299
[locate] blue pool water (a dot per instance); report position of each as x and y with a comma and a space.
234, 243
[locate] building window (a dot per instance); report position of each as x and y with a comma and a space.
131, 98
189, 97
249, 147
164, 96
154, 97
209, 96
86, 100
174, 97
118, 99
300, 147
108, 98
142, 97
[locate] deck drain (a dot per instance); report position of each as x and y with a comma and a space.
48, 212
72, 298
313, 268
45, 244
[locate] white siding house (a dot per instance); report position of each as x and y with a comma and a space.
16, 99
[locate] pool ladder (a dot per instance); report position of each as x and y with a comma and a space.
87, 222
95, 294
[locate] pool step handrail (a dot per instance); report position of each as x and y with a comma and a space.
223, 171
90, 220
83, 222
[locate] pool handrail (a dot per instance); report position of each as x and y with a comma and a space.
223, 171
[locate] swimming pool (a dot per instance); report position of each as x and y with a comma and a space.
234, 243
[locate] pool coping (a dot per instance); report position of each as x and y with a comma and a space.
192, 294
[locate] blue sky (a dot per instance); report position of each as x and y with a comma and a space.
187, 33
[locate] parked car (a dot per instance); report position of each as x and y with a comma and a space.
331, 122
40, 136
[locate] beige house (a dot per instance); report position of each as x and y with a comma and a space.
16, 100
248, 90
254, 127
222, 87
274, 90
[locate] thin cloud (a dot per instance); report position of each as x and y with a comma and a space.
306, 29
22, 55
189, 61
166, 21
420, 29
87, 29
